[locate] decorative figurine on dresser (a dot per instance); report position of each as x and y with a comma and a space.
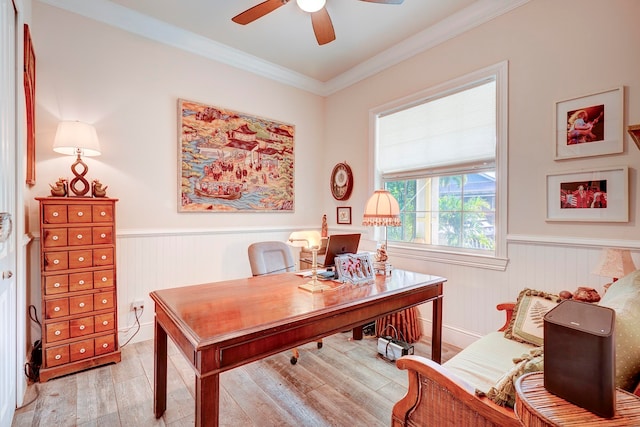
78, 284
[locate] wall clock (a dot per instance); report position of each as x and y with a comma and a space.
341, 181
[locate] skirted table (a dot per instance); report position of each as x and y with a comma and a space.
405, 322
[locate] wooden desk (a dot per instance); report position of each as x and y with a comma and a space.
223, 325
536, 407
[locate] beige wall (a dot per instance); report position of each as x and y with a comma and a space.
128, 86
556, 50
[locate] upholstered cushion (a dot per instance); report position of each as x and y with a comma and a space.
504, 391
527, 323
623, 296
482, 363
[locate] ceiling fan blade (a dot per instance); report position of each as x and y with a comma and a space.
322, 26
258, 11
384, 1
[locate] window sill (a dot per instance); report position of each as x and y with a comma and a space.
456, 258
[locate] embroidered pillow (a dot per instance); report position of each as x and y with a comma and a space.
527, 323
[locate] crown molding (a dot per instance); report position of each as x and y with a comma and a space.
134, 22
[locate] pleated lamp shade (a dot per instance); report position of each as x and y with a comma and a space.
382, 209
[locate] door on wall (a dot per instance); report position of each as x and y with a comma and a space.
8, 241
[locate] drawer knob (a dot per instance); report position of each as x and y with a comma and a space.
56, 285
58, 357
56, 308
80, 213
105, 323
80, 282
103, 213
55, 238
56, 214
104, 301
79, 236
82, 351
104, 279
103, 257
82, 327
81, 305
81, 258
105, 345
57, 333
103, 235
56, 261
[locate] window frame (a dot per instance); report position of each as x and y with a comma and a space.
498, 260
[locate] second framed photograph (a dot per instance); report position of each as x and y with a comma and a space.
600, 195
591, 125
344, 215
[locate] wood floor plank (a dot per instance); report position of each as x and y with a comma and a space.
56, 404
96, 396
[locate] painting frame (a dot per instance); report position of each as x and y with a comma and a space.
29, 77
230, 161
604, 195
343, 215
589, 125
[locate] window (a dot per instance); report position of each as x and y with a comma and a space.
442, 154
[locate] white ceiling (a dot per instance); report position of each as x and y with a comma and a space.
282, 45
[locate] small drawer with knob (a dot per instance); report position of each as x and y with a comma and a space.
54, 261
102, 213
57, 284
81, 326
80, 236
81, 304
57, 331
102, 235
54, 237
103, 300
104, 322
102, 256
56, 308
80, 258
81, 350
103, 279
81, 281
105, 344
79, 213
55, 356
54, 214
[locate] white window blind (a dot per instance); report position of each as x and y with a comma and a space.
456, 129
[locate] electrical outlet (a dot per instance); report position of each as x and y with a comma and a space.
137, 305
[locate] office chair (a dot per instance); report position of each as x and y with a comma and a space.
271, 258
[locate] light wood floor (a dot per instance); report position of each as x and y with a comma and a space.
342, 384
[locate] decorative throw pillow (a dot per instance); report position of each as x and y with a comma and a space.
504, 392
527, 323
623, 296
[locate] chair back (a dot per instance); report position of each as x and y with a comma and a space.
270, 257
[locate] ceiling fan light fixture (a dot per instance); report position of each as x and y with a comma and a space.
311, 5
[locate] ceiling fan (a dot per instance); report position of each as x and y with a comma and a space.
322, 26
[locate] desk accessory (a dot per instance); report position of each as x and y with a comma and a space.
382, 209
77, 139
355, 268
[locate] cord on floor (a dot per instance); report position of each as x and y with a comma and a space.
136, 310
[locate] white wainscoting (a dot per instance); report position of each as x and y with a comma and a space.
151, 260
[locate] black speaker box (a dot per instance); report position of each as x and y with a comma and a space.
579, 355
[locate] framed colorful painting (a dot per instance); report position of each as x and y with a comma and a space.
233, 162
598, 195
590, 125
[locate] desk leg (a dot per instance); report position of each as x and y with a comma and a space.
357, 333
436, 331
160, 370
208, 400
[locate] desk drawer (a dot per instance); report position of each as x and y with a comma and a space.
103, 279
54, 261
80, 236
81, 349
79, 213
82, 326
54, 237
57, 308
57, 331
105, 344
103, 213
81, 281
103, 300
57, 356
54, 214
104, 322
81, 304
102, 235
57, 284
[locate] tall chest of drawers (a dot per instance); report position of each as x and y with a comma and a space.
78, 284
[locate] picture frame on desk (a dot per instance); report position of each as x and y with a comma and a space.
355, 268
343, 215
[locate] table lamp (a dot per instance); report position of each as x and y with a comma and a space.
312, 240
77, 139
382, 210
614, 263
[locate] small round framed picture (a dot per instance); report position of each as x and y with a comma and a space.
344, 214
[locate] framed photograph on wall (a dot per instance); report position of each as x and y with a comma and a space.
344, 215
599, 195
590, 125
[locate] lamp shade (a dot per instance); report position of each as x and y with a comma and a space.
614, 263
311, 5
74, 136
382, 209
309, 238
